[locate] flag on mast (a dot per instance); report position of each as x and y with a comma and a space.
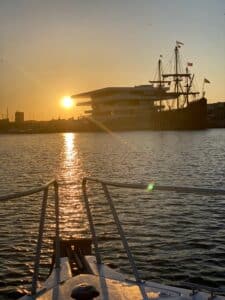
179, 43
206, 80
189, 64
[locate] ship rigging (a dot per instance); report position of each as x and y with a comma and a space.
180, 82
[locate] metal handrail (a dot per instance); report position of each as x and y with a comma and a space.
124, 241
156, 187
43, 188
119, 228
27, 192
148, 187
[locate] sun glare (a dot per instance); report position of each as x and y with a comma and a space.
67, 102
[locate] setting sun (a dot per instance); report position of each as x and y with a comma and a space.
67, 102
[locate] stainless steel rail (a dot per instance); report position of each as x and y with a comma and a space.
156, 187
147, 187
27, 192
104, 184
45, 189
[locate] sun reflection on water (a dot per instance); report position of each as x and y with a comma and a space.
69, 149
73, 221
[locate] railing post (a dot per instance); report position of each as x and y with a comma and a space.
91, 223
124, 241
57, 232
39, 242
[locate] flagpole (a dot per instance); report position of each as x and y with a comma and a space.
203, 85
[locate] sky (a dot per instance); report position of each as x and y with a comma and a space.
51, 48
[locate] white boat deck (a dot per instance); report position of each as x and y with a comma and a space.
111, 285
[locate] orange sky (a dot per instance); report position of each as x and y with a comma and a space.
53, 48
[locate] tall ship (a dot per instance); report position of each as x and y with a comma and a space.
167, 103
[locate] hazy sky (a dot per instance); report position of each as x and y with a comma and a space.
52, 48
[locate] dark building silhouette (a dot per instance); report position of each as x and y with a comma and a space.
216, 115
19, 117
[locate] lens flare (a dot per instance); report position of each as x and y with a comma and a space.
150, 187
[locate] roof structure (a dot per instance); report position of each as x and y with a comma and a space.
140, 89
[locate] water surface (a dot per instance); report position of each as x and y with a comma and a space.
174, 238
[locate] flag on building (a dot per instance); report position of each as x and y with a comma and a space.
189, 64
206, 80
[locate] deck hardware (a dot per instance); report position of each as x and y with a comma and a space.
84, 292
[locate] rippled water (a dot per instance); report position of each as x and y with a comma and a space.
174, 238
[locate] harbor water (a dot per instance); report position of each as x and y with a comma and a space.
174, 238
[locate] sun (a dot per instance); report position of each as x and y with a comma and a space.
67, 102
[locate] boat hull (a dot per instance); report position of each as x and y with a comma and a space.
192, 117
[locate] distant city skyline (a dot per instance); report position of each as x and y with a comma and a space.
51, 49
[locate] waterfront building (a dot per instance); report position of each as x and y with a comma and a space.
19, 117
167, 103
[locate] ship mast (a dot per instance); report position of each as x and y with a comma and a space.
187, 86
160, 82
160, 72
176, 75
